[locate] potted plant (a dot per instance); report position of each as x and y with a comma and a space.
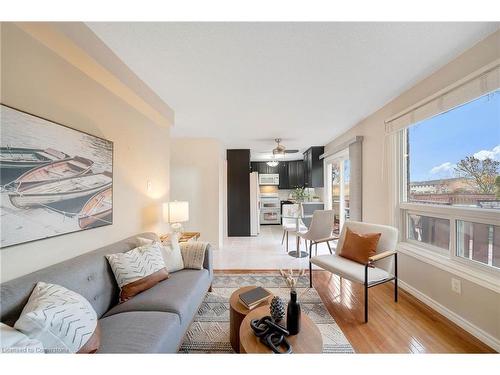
300, 194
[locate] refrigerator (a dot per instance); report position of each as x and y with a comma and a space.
254, 204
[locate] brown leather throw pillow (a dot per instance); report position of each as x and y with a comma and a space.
138, 286
93, 343
359, 247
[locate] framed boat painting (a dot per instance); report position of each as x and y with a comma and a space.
54, 180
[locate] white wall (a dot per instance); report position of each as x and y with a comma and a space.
37, 80
477, 305
196, 176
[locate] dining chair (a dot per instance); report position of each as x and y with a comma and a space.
380, 268
289, 224
320, 230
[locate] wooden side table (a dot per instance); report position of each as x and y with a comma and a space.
308, 340
237, 313
184, 237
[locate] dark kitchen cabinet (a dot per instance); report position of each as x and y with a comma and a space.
313, 167
295, 174
238, 192
283, 172
291, 172
262, 168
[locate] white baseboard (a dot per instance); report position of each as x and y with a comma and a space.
477, 332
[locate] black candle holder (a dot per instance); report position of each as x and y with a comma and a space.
271, 334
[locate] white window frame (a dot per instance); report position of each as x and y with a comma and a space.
447, 260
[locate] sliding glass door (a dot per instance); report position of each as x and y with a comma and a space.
337, 183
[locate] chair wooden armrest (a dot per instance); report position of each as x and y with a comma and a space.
382, 255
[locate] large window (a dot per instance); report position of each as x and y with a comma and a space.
454, 158
450, 184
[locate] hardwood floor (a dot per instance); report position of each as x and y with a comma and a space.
408, 326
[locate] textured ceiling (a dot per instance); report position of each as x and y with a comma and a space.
247, 83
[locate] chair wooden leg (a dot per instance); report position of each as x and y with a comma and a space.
329, 247
283, 239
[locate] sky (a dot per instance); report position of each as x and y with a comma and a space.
438, 143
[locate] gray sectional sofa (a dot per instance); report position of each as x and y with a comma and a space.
154, 321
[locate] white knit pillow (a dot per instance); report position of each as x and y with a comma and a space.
13, 341
136, 264
60, 318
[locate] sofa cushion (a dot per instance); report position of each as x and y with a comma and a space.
181, 294
140, 332
349, 269
359, 247
88, 275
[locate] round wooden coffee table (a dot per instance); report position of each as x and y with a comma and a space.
237, 313
308, 340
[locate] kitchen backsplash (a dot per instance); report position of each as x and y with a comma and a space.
285, 194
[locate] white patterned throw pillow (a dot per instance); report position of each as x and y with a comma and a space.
62, 320
138, 270
12, 341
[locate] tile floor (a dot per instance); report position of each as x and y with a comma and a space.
262, 252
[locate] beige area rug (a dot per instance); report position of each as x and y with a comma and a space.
209, 332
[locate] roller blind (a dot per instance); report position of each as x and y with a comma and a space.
473, 86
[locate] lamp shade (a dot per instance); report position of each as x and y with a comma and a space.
175, 212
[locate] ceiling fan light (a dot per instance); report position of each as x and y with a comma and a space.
272, 163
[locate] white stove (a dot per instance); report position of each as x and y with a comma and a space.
270, 208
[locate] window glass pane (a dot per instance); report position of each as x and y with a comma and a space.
430, 230
479, 242
454, 158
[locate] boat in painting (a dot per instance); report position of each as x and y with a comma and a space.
98, 210
55, 171
61, 190
28, 158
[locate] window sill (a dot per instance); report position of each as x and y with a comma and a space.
489, 280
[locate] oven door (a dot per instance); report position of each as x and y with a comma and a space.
270, 216
268, 203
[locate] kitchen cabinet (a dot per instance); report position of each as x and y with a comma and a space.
313, 167
291, 172
238, 192
295, 174
283, 172
262, 168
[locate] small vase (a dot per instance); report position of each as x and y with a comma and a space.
293, 314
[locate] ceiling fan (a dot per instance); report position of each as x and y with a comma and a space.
279, 151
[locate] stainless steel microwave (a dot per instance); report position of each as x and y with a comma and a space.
269, 179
